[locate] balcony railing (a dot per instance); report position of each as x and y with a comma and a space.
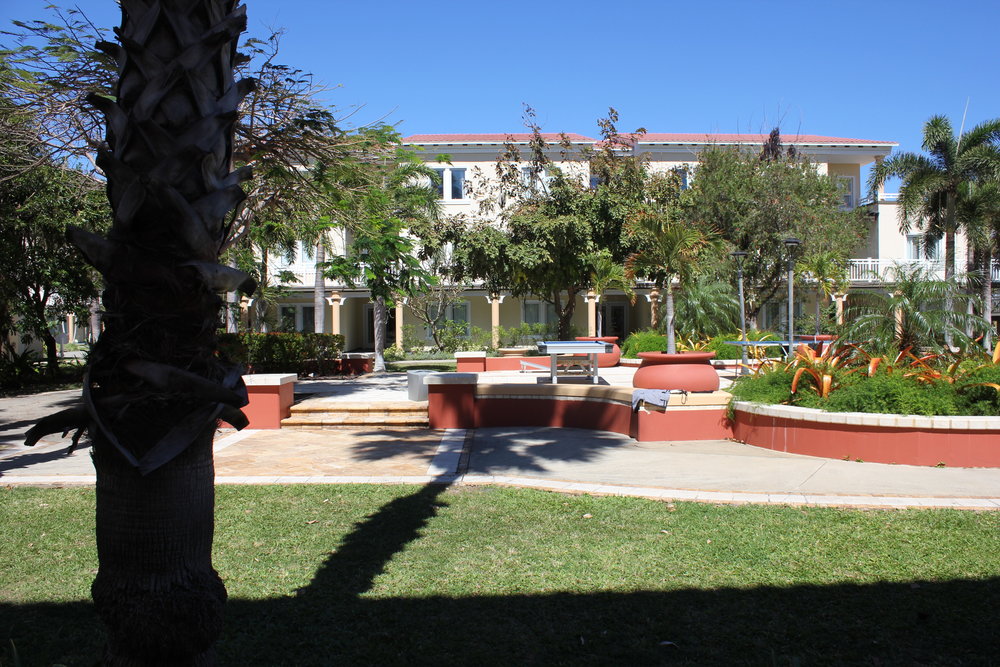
870, 270
874, 270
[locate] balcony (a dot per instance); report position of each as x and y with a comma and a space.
871, 270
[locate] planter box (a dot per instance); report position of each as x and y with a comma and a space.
964, 442
271, 396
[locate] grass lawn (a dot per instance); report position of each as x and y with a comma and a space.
374, 575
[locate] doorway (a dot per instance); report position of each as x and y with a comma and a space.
390, 326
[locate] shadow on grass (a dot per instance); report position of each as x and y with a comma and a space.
331, 621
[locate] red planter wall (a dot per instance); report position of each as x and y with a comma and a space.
963, 448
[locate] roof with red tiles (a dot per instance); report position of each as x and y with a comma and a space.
551, 137
695, 138
649, 138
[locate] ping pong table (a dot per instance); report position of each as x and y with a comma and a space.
556, 348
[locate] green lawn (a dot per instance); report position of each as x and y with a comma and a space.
374, 575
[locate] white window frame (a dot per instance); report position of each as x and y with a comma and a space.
915, 248
446, 183
848, 192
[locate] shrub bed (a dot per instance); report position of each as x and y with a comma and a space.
849, 380
300, 353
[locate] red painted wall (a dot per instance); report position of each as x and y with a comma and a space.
923, 447
269, 404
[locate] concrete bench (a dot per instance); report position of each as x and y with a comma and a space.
455, 400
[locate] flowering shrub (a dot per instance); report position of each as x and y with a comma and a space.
848, 379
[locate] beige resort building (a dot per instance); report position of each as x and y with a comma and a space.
472, 158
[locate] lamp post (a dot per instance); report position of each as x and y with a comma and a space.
791, 245
739, 256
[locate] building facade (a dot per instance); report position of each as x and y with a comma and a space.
465, 164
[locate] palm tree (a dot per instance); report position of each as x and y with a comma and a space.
979, 211
933, 183
668, 250
156, 385
828, 270
607, 274
706, 307
911, 314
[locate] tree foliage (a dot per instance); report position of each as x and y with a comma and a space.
44, 277
756, 200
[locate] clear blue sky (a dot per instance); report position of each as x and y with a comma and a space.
868, 70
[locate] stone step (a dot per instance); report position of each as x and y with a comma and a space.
354, 419
322, 405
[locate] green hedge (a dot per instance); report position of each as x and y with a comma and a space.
649, 340
300, 353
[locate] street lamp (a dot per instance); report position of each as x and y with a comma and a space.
792, 246
739, 256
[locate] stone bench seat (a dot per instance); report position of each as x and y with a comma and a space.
459, 402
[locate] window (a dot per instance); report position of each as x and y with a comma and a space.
298, 318
450, 185
458, 183
846, 185
918, 246
438, 183
683, 175
535, 179
459, 314
537, 312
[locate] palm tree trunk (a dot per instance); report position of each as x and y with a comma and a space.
949, 258
987, 296
379, 317
819, 296
669, 307
155, 385
319, 290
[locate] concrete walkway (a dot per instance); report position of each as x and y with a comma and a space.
568, 460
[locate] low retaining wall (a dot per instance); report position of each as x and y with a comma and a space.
964, 442
271, 396
456, 401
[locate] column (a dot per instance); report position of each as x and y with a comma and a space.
592, 299
654, 307
839, 298
399, 324
335, 301
495, 301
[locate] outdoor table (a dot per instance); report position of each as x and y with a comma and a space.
557, 348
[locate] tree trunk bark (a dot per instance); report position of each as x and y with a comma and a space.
379, 317
94, 321
669, 307
319, 290
156, 385
987, 296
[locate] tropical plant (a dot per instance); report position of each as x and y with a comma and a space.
668, 250
979, 213
605, 274
827, 272
706, 307
933, 184
648, 340
156, 385
911, 313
